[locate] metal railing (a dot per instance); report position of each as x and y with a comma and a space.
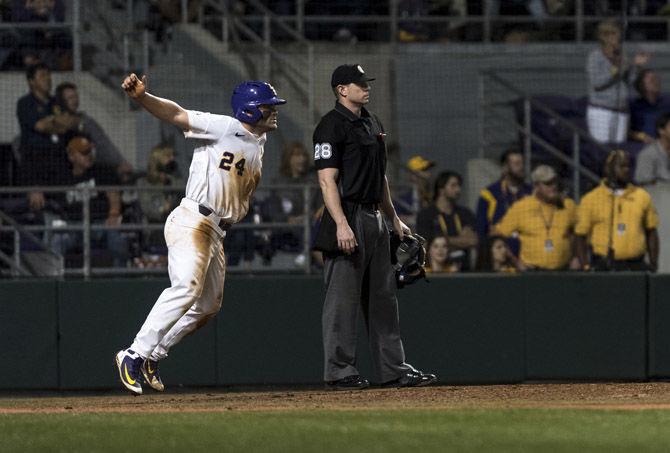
73, 26
298, 67
579, 21
20, 232
529, 137
85, 227
131, 60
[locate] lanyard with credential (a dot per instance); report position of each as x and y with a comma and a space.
443, 224
548, 243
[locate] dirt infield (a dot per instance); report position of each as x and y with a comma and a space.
620, 396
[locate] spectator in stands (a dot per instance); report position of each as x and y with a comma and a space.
609, 76
496, 199
544, 222
105, 208
653, 162
42, 151
645, 110
420, 176
243, 243
288, 205
67, 99
419, 196
47, 44
618, 220
446, 218
496, 256
340, 31
408, 30
536, 8
38, 11
162, 170
438, 260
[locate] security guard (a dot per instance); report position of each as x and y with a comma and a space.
350, 156
619, 221
544, 222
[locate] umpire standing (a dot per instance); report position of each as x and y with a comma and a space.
350, 156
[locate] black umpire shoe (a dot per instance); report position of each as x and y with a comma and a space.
412, 379
353, 382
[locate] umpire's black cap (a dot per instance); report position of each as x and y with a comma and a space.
348, 73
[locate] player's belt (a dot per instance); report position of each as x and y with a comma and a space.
204, 210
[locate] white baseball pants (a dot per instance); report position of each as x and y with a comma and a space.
607, 126
197, 268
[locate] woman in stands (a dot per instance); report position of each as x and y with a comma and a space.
438, 257
610, 74
496, 256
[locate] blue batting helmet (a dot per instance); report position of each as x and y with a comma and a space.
247, 96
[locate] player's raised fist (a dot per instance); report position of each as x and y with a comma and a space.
134, 87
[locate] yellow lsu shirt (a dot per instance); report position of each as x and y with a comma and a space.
624, 214
545, 231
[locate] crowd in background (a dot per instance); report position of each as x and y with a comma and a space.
22, 47
520, 227
538, 27
60, 145
516, 226
51, 44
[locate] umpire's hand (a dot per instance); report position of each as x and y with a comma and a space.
400, 228
134, 87
346, 241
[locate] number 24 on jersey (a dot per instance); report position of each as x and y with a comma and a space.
227, 163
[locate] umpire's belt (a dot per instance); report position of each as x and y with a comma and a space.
369, 207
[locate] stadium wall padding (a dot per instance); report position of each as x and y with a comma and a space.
28, 334
586, 326
468, 329
659, 326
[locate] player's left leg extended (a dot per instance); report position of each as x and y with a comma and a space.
192, 245
204, 308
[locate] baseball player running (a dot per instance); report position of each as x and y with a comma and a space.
224, 173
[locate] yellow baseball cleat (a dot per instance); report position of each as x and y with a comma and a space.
150, 372
128, 362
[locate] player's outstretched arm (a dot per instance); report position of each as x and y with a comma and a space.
163, 109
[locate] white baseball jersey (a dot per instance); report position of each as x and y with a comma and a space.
226, 167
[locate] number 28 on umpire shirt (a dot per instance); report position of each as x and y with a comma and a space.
355, 146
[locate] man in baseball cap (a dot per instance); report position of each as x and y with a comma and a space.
543, 174
420, 177
544, 223
419, 163
349, 73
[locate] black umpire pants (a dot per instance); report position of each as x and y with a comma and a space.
363, 282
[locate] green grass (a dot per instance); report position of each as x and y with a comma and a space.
412, 431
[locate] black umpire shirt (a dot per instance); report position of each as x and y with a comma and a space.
355, 146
